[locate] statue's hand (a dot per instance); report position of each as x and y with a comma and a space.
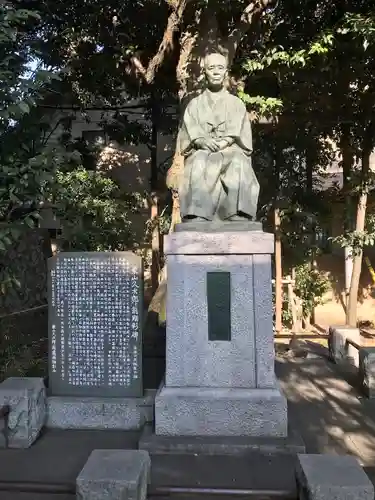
207, 144
200, 143
213, 145
222, 144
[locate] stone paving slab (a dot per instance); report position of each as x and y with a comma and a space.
58, 456
327, 408
6, 495
33, 496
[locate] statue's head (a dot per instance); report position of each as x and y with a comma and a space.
216, 69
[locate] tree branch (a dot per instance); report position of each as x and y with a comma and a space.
171, 3
166, 44
187, 44
249, 17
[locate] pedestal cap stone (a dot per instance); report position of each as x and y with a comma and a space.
216, 243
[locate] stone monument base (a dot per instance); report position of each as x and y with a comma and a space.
220, 445
100, 413
205, 411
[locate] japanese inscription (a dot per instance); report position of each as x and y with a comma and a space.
95, 314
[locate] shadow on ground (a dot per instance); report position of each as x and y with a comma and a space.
327, 407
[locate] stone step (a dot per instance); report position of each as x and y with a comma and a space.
17, 495
254, 471
56, 459
157, 494
190, 477
254, 495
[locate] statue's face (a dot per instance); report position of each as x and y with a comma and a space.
215, 69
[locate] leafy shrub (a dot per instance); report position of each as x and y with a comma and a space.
310, 286
93, 211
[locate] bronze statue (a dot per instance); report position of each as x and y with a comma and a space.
215, 138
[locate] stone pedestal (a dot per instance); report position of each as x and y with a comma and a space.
220, 378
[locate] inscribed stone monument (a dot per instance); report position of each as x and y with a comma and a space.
215, 138
95, 330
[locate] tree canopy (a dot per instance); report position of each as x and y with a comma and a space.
306, 66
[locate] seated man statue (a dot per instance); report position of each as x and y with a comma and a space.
215, 138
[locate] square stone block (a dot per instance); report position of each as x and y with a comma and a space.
115, 475
339, 351
200, 411
332, 477
367, 370
26, 398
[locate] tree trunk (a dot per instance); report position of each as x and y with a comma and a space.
155, 237
351, 316
347, 167
155, 243
310, 319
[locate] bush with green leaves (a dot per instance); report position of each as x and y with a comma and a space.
310, 287
93, 211
26, 165
286, 311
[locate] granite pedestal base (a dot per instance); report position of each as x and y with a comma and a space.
100, 413
201, 411
220, 378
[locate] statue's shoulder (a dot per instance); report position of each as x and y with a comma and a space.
193, 103
236, 101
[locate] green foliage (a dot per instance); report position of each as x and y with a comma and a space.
264, 106
162, 222
286, 310
93, 211
310, 286
26, 167
357, 240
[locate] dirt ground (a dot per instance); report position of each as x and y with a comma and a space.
332, 311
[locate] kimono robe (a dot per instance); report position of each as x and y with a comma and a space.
222, 184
